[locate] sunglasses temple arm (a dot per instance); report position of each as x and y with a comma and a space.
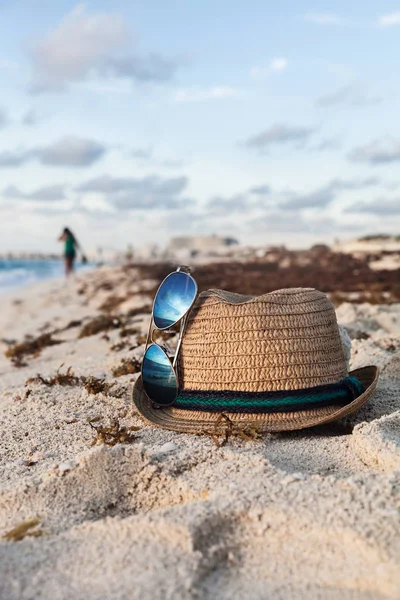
149, 332
182, 327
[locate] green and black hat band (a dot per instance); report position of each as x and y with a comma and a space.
341, 393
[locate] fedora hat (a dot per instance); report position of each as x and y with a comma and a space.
268, 363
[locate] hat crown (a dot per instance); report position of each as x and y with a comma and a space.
284, 340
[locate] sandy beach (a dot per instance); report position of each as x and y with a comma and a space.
156, 514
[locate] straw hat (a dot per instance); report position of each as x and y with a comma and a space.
269, 363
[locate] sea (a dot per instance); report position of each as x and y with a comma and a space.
18, 273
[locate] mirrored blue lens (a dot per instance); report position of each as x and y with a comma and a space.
173, 299
158, 376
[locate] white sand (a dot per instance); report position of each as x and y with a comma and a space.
312, 514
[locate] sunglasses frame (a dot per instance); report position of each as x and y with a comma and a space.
152, 328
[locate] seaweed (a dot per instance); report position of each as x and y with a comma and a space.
127, 366
99, 324
72, 324
115, 433
119, 346
94, 385
246, 432
125, 331
31, 347
112, 302
67, 378
147, 308
18, 362
19, 532
141, 339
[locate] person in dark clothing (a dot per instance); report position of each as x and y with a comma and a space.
71, 245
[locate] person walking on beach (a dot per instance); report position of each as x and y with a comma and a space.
71, 245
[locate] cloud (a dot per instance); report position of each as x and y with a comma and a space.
280, 134
381, 206
275, 65
260, 190
146, 155
323, 18
69, 151
196, 94
252, 199
88, 44
7, 64
349, 95
389, 20
326, 144
171, 163
14, 159
49, 193
325, 195
221, 205
142, 153
377, 152
30, 117
279, 64
129, 193
142, 69
3, 118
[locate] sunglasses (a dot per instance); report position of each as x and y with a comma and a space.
173, 300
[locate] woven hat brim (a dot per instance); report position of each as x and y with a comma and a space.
192, 421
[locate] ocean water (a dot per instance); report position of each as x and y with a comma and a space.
17, 273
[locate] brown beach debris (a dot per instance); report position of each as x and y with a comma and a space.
72, 324
119, 346
125, 331
127, 366
67, 378
141, 339
247, 433
30, 347
99, 324
133, 312
112, 302
24, 529
94, 385
115, 433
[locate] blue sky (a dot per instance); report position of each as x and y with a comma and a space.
134, 122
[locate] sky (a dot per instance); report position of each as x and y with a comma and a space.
133, 122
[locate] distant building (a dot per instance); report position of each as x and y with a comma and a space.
373, 244
198, 244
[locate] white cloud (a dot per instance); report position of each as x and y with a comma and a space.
68, 151
76, 46
71, 151
129, 193
279, 64
48, 193
196, 94
323, 18
92, 44
7, 64
280, 134
275, 65
389, 20
349, 95
4, 120
30, 117
380, 151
